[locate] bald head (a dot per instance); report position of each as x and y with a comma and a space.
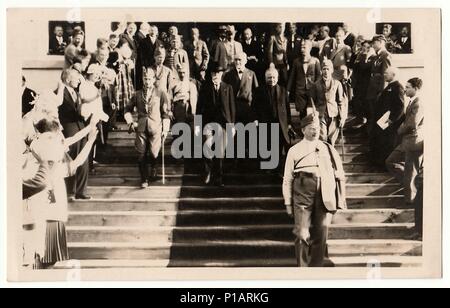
391, 74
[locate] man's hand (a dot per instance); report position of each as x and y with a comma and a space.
305, 235
290, 210
256, 123
132, 127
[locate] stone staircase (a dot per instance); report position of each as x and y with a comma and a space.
185, 224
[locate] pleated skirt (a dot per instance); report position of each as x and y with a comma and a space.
55, 243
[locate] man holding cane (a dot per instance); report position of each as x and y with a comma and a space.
154, 113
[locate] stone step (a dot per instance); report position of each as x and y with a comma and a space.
197, 168
129, 143
129, 154
177, 234
230, 179
237, 191
228, 217
235, 250
220, 204
348, 137
370, 262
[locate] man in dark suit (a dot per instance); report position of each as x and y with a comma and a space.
271, 106
350, 38
380, 63
404, 41
304, 73
217, 106
142, 34
254, 55
72, 122
28, 96
389, 112
57, 43
146, 53
244, 84
293, 44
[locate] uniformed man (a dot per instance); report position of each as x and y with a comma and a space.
153, 124
313, 190
328, 96
380, 63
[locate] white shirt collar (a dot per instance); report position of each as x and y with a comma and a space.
412, 99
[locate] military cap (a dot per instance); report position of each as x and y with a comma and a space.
311, 118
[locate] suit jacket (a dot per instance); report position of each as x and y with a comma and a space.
411, 129
253, 49
69, 114
221, 111
147, 51
153, 121
263, 108
293, 48
350, 40
391, 99
222, 57
299, 83
243, 90
327, 49
55, 47
336, 106
138, 38
131, 42
381, 62
277, 50
28, 96
341, 57
405, 46
198, 55
331, 172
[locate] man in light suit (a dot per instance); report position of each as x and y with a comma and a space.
244, 84
327, 95
176, 56
154, 112
228, 49
304, 73
72, 122
313, 190
405, 161
277, 53
198, 55
217, 106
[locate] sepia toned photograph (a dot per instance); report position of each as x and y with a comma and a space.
206, 144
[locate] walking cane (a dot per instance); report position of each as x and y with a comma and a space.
163, 162
342, 143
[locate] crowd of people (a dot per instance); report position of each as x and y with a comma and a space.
151, 81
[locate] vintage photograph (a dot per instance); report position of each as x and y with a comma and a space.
286, 141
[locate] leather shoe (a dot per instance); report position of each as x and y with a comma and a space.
83, 197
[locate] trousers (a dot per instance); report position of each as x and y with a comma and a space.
312, 221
